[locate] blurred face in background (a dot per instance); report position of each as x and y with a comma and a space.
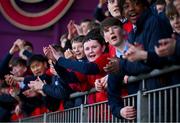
63, 39
177, 5
113, 7
160, 8
38, 68
113, 35
19, 70
168, 1
175, 23
63, 42
85, 27
78, 50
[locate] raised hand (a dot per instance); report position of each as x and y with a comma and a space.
166, 47
68, 54
112, 66
48, 53
14, 49
126, 79
135, 53
128, 112
14, 91
101, 84
37, 84
20, 43
11, 80
71, 29
79, 29
17, 109
55, 54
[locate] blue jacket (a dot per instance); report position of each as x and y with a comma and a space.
7, 104
158, 62
55, 91
153, 59
27, 53
4, 65
4, 115
150, 28
99, 14
149, 31
175, 59
30, 103
57, 88
114, 98
82, 67
177, 49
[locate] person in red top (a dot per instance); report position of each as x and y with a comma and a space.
111, 29
115, 10
94, 46
77, 53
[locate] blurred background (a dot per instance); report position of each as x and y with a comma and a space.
40, 22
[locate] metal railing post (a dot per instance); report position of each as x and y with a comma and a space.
143, 96
44, 118
19, 120
84, 114
142, 107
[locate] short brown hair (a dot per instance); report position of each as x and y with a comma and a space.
171, 10
108, 22
79, 38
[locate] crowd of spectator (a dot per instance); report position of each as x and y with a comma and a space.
130, 38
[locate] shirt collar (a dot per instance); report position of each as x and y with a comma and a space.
119, 53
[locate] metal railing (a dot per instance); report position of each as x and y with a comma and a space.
158, 105
163, 104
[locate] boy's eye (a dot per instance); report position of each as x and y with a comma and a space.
32, 67
86, 48
106, 29
115, 27
173, 17
125, 6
